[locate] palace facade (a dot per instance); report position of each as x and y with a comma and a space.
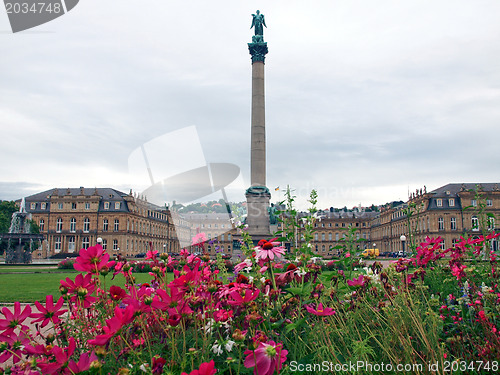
71, 219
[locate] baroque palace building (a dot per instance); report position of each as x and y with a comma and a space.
71, 219
451, 211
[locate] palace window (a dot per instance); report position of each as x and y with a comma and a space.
72, 225
106, 205
115, 245
73, 206
453, 223
59, 225
473, 203
43, 206
440, 223
42, 225
104, 244
33, 206
87, 206
117, 205
105, 225
60, 205
117, 225
475, 223
57, 245
489, 202
451, 202
439, 202
85, 242
71, 244
86, 225
491, 223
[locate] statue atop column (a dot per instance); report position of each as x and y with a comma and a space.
258, 21
258, 48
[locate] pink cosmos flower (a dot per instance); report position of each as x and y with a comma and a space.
151, 254
83, 363
49, 312
320, 310
15, 343
92, 260
14, 319
458, 271
61, 355
81, 290
199, 239
113, 325
268, 250
266, 358
360, 281
242, 296
206, 368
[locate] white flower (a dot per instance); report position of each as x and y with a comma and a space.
300, 272
229, 345
144, 367
209, 326
250, 278
262, 279
217, 349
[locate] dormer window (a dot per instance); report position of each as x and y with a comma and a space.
439, 202
106, 205
451, 202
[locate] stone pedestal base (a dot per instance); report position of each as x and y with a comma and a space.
258, 198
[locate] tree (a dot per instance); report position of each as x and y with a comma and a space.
7, 208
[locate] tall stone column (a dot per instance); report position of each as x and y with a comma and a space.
257, 194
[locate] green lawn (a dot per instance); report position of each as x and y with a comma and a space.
31, 287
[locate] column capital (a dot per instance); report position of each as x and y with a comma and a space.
258, 50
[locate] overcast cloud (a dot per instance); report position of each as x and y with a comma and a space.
365, 100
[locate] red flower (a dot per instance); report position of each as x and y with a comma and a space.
117, 293
14, 319
320, 310
206, 368
151, 254
62, 357
49, 313
266, 358
81, 290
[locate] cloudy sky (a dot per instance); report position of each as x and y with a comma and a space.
365, 99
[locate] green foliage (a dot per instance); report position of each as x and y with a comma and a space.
7, 208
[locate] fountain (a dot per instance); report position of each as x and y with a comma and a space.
20, 240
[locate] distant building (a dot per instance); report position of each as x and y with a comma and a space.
71, 219
450, 211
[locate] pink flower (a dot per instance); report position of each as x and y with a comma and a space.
81, 290
14, 319
199, 239
206, 368
49, 312
458, 271
113, 325
266, 358
320, 310
13, 345
268, 250
242, 296
360, 281
83, 363
92, 260
151, 254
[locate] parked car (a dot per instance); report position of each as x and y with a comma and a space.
140, 255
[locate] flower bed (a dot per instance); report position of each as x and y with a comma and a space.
276, 314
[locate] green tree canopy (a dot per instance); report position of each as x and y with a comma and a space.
7, 208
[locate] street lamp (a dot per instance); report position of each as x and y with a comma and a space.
99, 240
403, 239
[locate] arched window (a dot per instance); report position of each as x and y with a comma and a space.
86, 227
475, 223
59, 225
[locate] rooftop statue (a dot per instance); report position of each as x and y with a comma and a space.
257, 22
